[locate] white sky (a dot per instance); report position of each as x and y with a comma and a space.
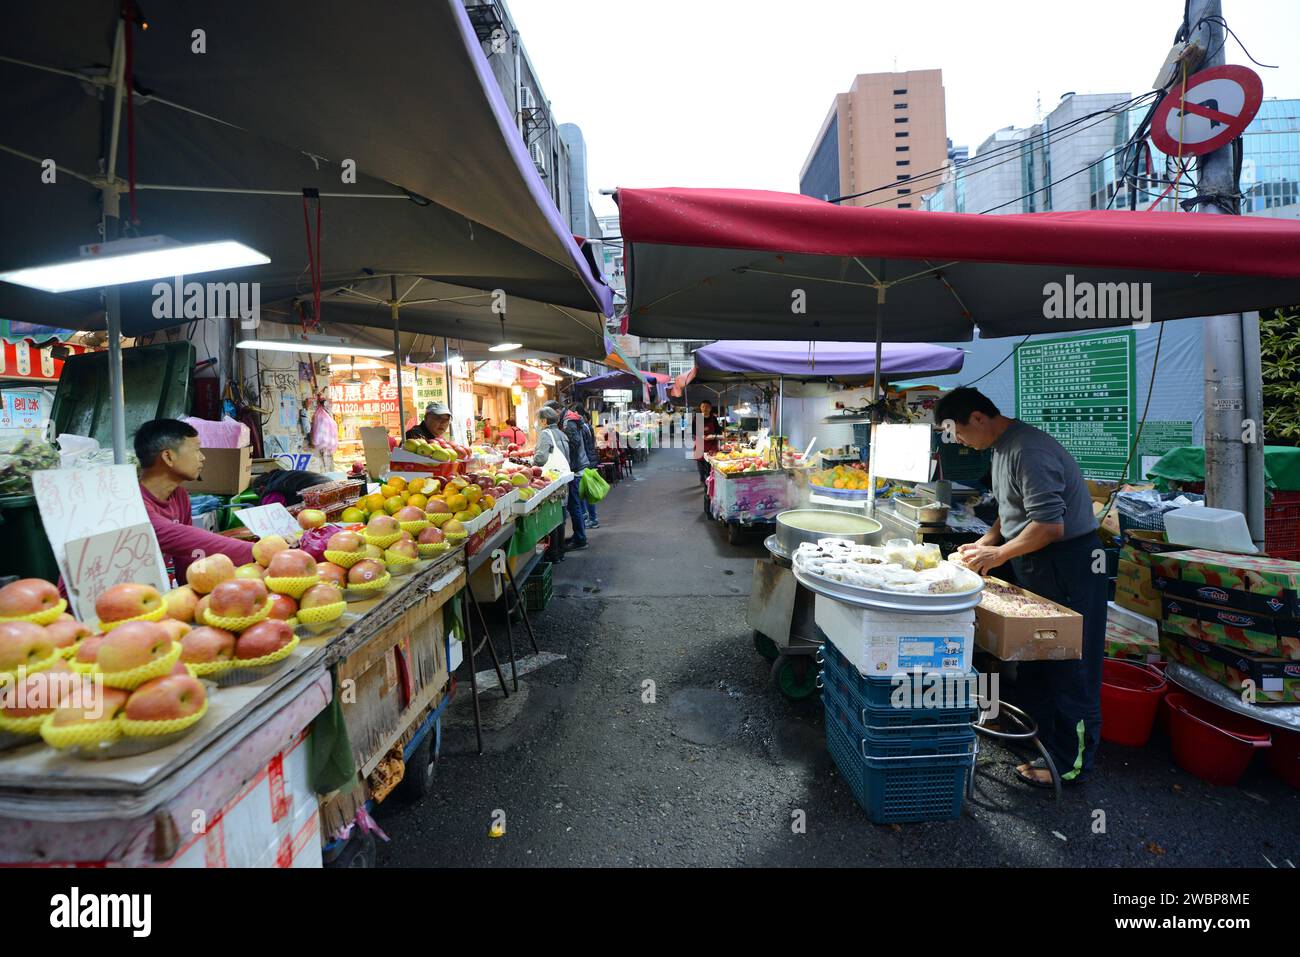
732, 92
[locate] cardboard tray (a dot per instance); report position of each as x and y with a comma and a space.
1049, 638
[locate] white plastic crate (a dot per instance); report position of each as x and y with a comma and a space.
884, 643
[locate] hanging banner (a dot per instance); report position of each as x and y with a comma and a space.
365, 399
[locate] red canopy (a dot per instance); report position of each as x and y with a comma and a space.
724, 263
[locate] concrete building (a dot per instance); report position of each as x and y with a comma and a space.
887, 128
582, 218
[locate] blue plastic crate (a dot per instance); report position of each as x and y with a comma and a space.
864, 691
877, 745
901, 790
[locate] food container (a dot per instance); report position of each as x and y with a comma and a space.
799, 525
921, 510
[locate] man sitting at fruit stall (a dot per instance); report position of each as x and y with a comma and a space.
169, 454
437, 417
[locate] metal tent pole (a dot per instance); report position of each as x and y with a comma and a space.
875, 402
112, 223
394, 309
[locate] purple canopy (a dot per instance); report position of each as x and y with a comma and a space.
614, 379
730, 360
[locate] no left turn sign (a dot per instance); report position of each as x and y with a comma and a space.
1216, 108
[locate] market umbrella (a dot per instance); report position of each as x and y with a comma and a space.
733, 360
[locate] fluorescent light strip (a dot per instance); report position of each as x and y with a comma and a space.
546, 377
93, 272
308, 346
506, 347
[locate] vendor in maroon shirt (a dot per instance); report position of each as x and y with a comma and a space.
169, 454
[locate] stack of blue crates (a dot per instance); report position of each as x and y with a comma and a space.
902, 764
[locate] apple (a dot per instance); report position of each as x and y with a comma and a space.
431, 536
264, 638
406, 536
375, 553
206, 644
28, 596
23, 644
179, 669
89, 706
366, 570
250, 572
535, 471
201, 610
454, 527
38, 694
166, 699
266, 548
318, 596
283, 607
310, 518
88, 650
332, 574
131, 645
181, 603
207, 573
128, 601
381, 525
67, 631
437, 506
177, 629
410, 513
346, 542
293, 563
405, 548
239, 598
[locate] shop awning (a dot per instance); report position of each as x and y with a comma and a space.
735, 360
614, 379
705, 262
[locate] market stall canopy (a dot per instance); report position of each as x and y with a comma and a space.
226, 142
734, 360
614, 379
710, 262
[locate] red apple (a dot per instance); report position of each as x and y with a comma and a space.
128, 601
39, 693
283, 607
166, 699
177, 629
346, 542
87, 705
206, 644
319, 595
410, 513
266, 548
310, 518
250, 572
293, 563
28, 596
201, 610
238, 598
332, 574
207, 573
88, 650
181, 602
23, 644
366, 570
381, 525
67, 631
535, 471
437, 505
405, 548
131, 645
264, 638
431, 536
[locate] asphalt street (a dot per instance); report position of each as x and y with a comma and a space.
716, 768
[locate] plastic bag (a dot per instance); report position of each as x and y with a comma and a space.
592, 487
324, 431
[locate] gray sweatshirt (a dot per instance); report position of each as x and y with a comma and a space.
1036, 480
551, 437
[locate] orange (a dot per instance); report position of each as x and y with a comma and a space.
473, 493
475, 510
488, 501
393, 505
418, 500
457, 503
431, 487
374, 502
415, 485
397, 482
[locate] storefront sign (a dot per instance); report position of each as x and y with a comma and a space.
617, 396
366, 399
22, 410
1156, 439
1080, 389
22, 360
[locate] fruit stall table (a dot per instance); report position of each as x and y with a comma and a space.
748, 500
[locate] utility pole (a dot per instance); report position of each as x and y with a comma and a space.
1234, 468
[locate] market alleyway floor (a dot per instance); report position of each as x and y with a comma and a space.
715, 770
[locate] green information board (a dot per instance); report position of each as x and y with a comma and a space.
1080, 389
1156, 439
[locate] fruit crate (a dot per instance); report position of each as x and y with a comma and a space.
537, 588
876, 745
900, 790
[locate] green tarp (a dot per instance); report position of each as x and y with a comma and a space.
1187, 465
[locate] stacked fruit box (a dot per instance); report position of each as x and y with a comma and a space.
904, 745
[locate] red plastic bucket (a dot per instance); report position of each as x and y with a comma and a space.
1211, 743
1130, 695
1284, 756
1162, 714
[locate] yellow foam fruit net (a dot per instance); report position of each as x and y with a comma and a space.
393, 559
439, 519
416, 527
42, 618
270, 659
27, 726
379, 584
83, 667
85, 734
382, 541
322, 614
293, 587
157, 614
130, 680
50, 662
433, 548
152, 729
70, 651
456, 538
343, 559
239, 624
203, 669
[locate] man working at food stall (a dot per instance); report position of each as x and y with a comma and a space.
709, 432
168, 452
434, 425
1047, 530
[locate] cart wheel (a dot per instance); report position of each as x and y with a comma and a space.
765, 646
360, 851
735, 535
795, 676
421, 770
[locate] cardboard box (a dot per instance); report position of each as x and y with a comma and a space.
1135, 591
1275, 680
1142, 624
225, 472
883, 644
1101, 490
1125, 643
1244, 631
1152, 542
1270, 586
1055, 638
